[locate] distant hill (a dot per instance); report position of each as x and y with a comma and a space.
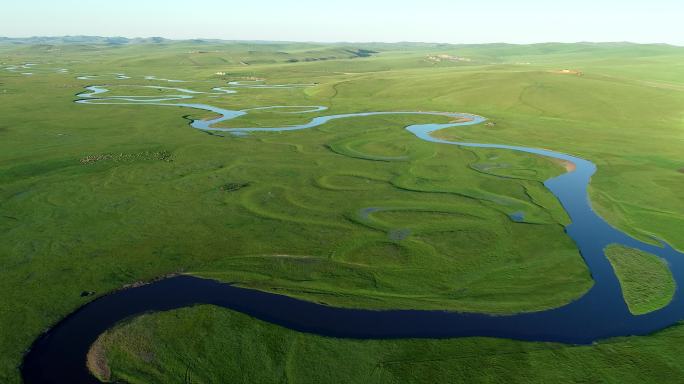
205, 52
82, 40
118, 40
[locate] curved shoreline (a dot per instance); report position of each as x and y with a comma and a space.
59, 354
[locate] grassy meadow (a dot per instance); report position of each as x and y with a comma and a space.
646, 281
181, 347
355, 213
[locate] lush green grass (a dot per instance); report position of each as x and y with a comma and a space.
442, 238
646, 281
209, 344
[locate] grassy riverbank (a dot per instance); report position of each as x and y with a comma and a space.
646, 281
94, 197
209, 344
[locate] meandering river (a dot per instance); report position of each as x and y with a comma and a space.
59, 355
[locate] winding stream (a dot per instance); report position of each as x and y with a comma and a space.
58, 356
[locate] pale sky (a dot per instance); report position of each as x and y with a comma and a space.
447, 21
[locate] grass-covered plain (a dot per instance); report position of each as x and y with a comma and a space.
355, 213
646, 281
206, 344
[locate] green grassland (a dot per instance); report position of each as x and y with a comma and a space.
355, 213
207, 344
646, 281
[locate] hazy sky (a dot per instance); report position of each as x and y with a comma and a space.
451, 21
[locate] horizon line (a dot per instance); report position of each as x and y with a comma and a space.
337, 41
